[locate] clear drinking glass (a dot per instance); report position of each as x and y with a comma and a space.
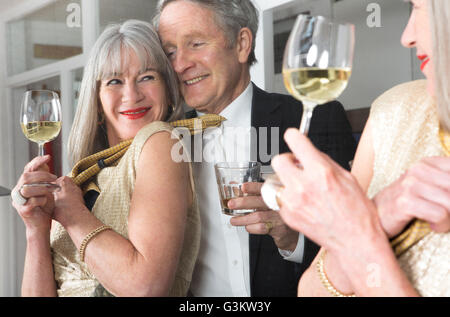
230, 178
40, 119
317, 62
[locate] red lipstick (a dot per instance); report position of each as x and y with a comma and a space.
424, 59
137, 113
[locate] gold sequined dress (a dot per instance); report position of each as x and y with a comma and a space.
112, 207
405, 129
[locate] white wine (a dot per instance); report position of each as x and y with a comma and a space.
41, 131
318, 85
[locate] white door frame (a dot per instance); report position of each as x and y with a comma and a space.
12, 235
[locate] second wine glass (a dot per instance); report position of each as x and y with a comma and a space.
317, 62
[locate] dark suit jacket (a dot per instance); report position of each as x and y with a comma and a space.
330, 131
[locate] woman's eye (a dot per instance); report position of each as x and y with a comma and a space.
113, 82
148, 77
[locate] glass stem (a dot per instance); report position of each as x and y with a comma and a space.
308, 108
41, 149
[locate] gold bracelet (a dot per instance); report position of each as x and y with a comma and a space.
89, 237
325, 281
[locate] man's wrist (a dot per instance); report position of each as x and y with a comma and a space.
289, 241
296, 255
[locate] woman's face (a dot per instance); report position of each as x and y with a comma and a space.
418, 34
131, 100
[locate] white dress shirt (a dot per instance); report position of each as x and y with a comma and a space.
223, 265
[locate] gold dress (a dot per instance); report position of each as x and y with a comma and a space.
112, 207
405, 129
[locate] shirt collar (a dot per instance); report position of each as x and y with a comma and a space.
239, 110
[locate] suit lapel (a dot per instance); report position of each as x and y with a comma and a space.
265, 114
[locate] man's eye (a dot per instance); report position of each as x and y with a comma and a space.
170, 54
197, 44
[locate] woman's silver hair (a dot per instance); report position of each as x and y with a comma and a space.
440, 29
231, 16
108, 56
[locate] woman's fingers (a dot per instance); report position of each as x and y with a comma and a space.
286, 167
441, 226
302, 148
431, 212
433, 194
37, 177
433, 170
36, 171
32, 191
28, 209
440, 162
38, 163
426, 192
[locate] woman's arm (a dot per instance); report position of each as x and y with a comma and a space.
144, 264
362, 170
38, 276
327, 204
36, 213
373, 269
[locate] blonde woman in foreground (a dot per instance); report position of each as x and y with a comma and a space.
396, 241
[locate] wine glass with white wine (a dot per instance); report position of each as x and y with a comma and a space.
317, 65
317, 62
40, 119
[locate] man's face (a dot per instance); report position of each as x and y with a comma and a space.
211, 73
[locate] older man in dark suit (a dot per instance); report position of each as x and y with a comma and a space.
211, 46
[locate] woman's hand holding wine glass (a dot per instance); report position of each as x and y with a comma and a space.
317, 65
40, 119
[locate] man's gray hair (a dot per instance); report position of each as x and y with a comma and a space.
231, 16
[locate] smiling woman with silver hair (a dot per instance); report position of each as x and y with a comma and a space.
126, 222
87, 136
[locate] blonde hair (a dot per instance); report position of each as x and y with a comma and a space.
108, 56
440, 29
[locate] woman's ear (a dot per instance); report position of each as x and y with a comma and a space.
244, 44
